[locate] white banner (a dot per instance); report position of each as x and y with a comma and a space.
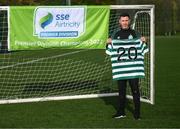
59, 22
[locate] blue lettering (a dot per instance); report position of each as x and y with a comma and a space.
67, 16
58, 17
62, 17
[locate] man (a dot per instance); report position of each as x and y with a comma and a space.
126, 33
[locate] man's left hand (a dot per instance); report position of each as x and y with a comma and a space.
143, 39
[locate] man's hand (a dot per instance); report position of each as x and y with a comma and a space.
109, 41
143, 39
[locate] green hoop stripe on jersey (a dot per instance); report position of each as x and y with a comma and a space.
127, 66
127, 58
116, 61
140, 47
124, 44
131, 71
132, 54
116, 49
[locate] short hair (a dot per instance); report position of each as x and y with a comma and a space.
124, 15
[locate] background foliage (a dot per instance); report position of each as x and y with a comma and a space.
167, 12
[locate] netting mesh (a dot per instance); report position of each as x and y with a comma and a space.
142, 25
3, 30
65, 74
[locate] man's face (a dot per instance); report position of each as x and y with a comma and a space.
124, 22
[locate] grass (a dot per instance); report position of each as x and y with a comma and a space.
96, 113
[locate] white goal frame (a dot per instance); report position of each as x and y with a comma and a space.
152, 62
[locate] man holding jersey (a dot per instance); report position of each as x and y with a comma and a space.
127, 48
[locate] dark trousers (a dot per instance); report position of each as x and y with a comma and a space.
134, 84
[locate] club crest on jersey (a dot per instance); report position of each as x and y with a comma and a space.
118, 37
130, 37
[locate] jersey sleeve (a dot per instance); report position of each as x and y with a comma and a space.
109, 48
144, 48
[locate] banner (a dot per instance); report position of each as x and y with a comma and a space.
74, 27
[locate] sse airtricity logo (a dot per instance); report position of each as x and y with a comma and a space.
59, 22
46, 20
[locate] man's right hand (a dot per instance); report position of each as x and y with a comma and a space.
109, 41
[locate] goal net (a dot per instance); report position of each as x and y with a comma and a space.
55, 74
3, 29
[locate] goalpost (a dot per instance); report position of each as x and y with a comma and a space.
27, 76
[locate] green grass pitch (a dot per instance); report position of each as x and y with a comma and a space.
97, 113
